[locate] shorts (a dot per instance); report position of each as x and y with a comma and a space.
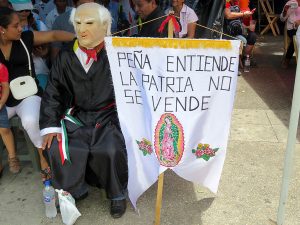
243, 39
4, 122
250, 39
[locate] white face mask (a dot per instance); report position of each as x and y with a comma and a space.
88, 28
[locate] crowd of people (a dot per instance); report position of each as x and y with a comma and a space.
45, 28
68, 84
97, 147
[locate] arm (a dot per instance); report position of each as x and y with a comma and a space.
191, 28
192, 23
43, 37
5, 93
297, 23
236, 15
285, 13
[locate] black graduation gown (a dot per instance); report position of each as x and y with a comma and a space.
97, 149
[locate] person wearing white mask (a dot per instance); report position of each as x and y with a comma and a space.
80, 87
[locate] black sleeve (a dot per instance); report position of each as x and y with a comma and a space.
28, 39
57, 97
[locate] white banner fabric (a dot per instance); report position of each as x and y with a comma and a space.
174, 99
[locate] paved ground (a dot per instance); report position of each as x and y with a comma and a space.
250, 185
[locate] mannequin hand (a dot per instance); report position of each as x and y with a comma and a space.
48, 139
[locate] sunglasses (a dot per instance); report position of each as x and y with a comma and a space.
24, 10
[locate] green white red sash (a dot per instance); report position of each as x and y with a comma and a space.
63, 143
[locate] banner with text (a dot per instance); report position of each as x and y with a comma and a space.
174, 99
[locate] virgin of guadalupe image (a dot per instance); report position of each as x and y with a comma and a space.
168, 141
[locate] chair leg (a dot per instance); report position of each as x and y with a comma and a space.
272, 27
265, 29
277, 28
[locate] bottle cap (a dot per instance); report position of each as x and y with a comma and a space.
47, 183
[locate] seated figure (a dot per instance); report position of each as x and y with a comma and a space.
234, 25
81, 79
291, 15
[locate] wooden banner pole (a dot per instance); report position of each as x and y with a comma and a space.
160, 183
160, 186
291, 143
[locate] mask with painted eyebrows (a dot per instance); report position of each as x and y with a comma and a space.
89, 30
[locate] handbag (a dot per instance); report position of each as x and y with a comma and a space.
24, 86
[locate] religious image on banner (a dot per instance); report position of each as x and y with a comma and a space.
174, 100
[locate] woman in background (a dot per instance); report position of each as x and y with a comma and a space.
290, 14
187, 18
31, 21
14, 57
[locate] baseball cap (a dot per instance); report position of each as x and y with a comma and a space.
19, 5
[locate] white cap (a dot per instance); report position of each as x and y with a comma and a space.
19, 5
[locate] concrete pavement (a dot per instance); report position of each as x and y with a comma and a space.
250, 185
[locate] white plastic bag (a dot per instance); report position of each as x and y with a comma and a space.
68, 210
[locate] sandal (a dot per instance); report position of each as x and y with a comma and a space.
46, 174
14, 165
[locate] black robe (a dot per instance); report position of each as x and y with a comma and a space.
97, 149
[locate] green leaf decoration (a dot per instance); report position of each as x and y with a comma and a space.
205, 157
137, 142
193, 150
216, 149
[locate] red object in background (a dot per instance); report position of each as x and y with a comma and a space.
244, 5
246, 21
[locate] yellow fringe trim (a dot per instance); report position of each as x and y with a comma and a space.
171, 43
75, 46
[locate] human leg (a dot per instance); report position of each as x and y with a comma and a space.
290, 50
1, 167
45, 168
242, 47
28, 111
8, 140
1, 170
251, 40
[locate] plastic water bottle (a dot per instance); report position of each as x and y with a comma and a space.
247, 64
49, 200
